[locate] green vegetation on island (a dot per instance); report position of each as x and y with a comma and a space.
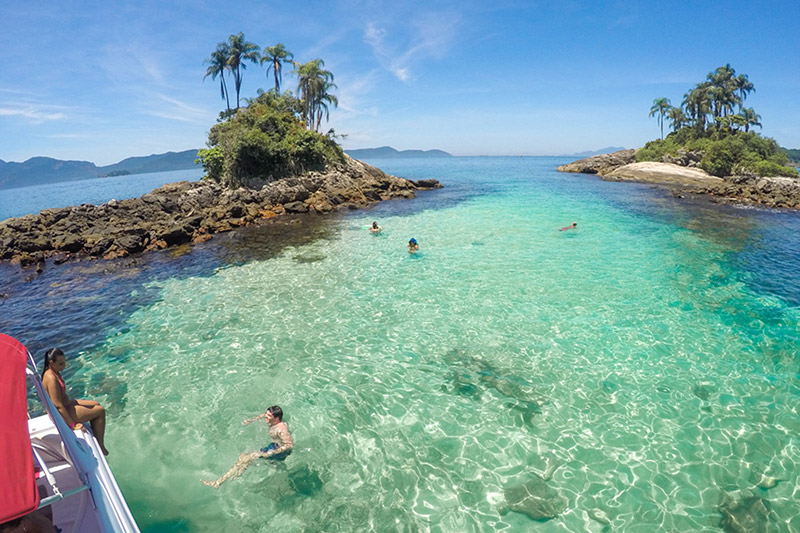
794, 155
713, 123
115, 173
275, 135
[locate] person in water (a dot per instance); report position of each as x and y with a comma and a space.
74, 412
280, 447
413, 246
375, 227
571, 226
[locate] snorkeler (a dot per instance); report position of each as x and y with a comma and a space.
571, 226
413, 246
280, 447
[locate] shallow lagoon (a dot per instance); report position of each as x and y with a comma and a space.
644, 365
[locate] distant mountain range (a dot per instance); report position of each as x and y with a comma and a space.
387, 152
41, 170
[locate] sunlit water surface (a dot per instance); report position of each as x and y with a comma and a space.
644, 365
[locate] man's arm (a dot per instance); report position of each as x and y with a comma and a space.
250, 420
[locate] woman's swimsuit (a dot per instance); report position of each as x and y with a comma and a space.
60, 382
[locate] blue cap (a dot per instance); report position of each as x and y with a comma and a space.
413, 240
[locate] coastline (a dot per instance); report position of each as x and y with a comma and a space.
682, 176
191, 212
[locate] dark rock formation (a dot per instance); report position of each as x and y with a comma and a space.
600, 164
191, 212
768, 192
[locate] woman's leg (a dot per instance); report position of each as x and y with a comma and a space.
236, 470
94, 413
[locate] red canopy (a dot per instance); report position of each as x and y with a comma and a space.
18, 494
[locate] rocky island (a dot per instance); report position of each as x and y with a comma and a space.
191, 212
682, 176
711, 150
263, 161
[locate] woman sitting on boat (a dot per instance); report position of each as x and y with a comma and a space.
278, 449
75, 412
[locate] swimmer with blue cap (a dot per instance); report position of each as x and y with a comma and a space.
413, 246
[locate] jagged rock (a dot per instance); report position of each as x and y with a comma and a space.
175, 235
600, 164
70, 243
773, 192
130, 243
296, 207
427, 184
100, 247
684, 158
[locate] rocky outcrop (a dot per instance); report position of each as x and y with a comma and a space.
600, 164
191, 212
682, 174
663, 174
767, 192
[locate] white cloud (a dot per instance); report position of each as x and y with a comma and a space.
36, 115
178, 110
430, 36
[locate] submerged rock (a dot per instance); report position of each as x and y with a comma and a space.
305, 481
470, 376
748, 514
534, 498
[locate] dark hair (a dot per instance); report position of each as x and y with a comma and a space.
375, 224
50, 356
277, 412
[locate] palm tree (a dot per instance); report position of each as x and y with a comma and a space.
697, 103
275, 55
325, 99
742, 84
723, 91
217, 65
313, 83
676, 117
240, 51
751, 118
660, 107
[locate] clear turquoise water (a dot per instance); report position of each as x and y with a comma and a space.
647, 359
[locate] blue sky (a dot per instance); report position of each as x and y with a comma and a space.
102, 81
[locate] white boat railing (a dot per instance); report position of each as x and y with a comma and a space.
85, 456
